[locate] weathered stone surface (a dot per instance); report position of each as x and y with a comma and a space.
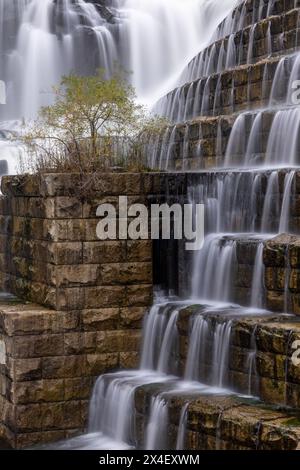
97, 364
100, 319
105, 296
100, 252
220, 422
126, 273
64, 366
99, 290
38, 391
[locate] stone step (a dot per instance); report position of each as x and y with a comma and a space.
249, 12
260, 352
277, 270
264, 84
248, 139
276, 35
216, 422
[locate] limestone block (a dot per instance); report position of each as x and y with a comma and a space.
35, 346
71, 298
139, 295
97, 364
104, 251
129, 360
117, 341
78, 388
21, 370
77, 275
64, 366
275, 279
138, 250
126, 273
132, 317
41, 391
65, 253
101, 319
105, 296
80, 342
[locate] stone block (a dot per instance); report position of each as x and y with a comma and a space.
132, 317
100, 319
105, 297
71, 298
97, 364
100, 252
41, 345
65, 253
77, 275
126, 273
41, 391
64, 367
80, 342
78, 388
139, 296
68, 207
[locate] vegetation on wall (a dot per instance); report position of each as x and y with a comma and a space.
93, 125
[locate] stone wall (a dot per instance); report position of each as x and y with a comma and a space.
247, 12
281, 286
202, 143
50, 250
276, 35
218, 422
273, 377
92, 296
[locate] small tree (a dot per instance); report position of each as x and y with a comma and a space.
94, 124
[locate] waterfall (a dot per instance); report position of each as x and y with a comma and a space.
252, 360
112, 403
233, 204
221, 353
176, 47
194, 370
285, 209
213, 269
159, 337
48, 39
180, 443
156, 431
271, 202
257, 292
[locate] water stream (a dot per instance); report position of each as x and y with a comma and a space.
248, 199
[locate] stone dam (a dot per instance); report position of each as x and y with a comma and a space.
139, 343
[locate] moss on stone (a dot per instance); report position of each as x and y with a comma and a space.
292, 422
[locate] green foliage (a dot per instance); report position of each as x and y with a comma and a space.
93, 125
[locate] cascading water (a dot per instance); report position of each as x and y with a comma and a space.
42, 40
241, 205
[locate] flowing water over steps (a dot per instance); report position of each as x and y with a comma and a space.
203, 358
136, 408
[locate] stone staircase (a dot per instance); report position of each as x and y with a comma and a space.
257, 64
235, 123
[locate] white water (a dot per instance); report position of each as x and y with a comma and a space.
157, 427
147, 37
42, 40
257, 292
180, 443
47, 40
